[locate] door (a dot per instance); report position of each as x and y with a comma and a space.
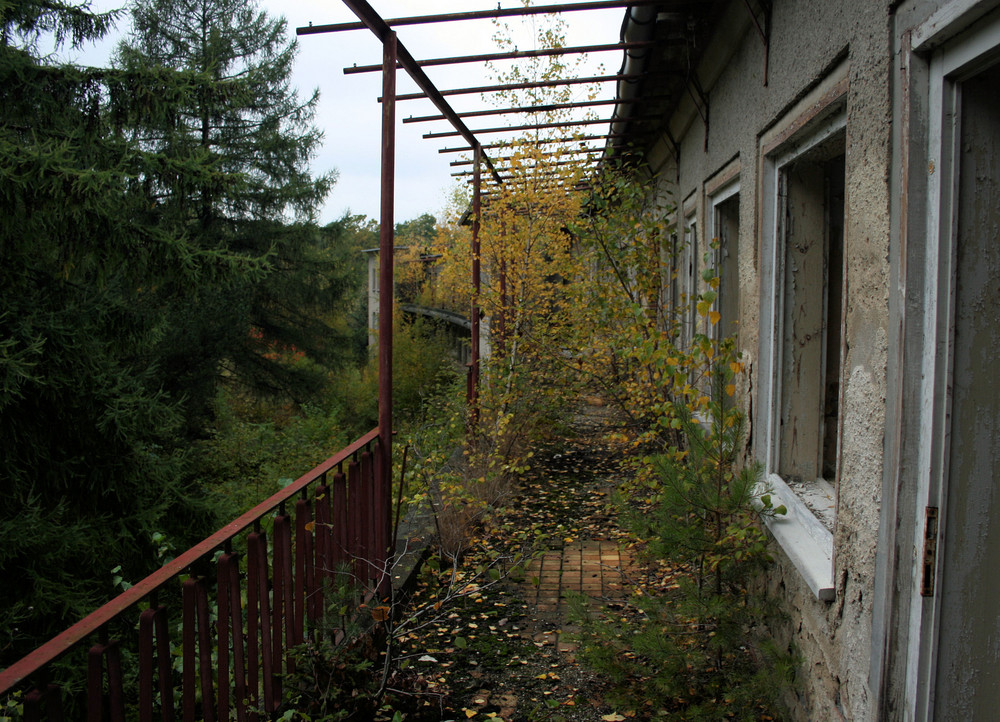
967, 678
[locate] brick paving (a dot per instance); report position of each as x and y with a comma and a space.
597, 570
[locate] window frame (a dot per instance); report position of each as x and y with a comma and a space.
727, 191
687, 276
806, 540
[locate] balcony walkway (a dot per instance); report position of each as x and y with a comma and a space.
510, 651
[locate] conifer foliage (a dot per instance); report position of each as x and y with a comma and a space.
260, 202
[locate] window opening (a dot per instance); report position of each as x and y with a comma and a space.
688, 282
811, 196
727, 231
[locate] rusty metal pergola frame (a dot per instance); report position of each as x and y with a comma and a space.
396, 57
637, 108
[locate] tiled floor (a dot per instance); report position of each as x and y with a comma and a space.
598, 570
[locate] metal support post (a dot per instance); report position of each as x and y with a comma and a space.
476, 280
383, 477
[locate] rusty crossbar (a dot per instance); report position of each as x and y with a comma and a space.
481, 15
326, 527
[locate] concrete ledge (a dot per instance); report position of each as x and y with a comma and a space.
413, 540
804, 539
439, 313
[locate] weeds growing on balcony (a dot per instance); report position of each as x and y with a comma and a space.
698, 648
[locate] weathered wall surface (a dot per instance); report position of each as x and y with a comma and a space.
809, 40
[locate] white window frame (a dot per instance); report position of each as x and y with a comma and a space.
806, 540
687, 276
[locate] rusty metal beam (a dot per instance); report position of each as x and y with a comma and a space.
512, 55
585, 163
541, 173
551, 107
478, 15
501, 159
524, 86
476, 283
377, 25
538, 141
534, 126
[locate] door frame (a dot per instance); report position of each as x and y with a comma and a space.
954, 52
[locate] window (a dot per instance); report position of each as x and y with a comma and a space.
809, 292
801, 325
687, 280
725, 231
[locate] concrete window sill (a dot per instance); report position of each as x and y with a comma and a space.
806, 541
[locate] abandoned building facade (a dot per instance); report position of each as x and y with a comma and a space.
838, 163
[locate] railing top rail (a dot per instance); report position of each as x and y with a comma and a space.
135, 594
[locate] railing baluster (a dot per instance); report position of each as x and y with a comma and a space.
309, 569
369, 542
378, 533
341, 540
95, 684
261, 625
303, 571
50, 699
324, 556
253, 624
116, 691
33, 705
355, 518
53, 703
236, 620
205, 652
164, 665
382, 519
281, 624
146, 665
188, 642
230, 627
197, 650
222, 635
105, 654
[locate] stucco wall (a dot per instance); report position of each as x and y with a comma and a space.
810, 39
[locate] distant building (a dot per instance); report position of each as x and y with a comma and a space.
457, 325
372, 254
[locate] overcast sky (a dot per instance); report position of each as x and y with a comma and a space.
350, 118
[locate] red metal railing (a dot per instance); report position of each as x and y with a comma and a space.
329, 526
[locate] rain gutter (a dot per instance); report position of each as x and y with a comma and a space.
637, 26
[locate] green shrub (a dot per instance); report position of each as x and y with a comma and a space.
700, 649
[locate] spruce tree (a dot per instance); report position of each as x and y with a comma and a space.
252, 125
